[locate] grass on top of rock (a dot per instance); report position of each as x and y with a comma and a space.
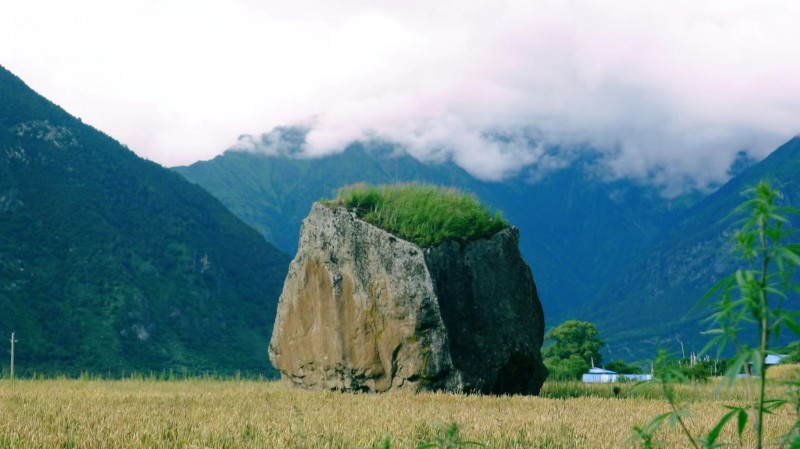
421, 213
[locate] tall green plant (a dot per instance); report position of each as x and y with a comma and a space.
760, 297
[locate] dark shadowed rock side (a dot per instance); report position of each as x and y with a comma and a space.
362, 310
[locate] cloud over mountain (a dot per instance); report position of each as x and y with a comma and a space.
668, 92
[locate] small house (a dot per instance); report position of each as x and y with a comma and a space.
774, 359
600, 375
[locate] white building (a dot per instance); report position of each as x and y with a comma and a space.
600, 375
774, 359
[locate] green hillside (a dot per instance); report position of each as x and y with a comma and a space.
109, 262
650, 303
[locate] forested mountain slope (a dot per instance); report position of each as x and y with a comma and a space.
109, 262
650, 304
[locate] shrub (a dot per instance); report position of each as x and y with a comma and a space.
421, 213
619, 366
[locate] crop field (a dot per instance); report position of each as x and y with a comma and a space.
136, 413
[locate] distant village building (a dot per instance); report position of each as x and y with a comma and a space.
774, 359
600, 375
769, 360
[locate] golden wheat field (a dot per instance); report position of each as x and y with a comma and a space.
66, 413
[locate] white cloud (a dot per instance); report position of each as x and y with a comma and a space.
668, 90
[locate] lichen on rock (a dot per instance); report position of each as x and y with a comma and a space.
363, 310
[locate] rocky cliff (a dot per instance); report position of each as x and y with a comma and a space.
364, 310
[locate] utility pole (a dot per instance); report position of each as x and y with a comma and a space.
13, 340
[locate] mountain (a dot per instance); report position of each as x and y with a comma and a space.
616, 253
650, 304
576, 229
110, 263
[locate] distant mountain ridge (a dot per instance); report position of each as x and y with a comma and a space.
616, 253
658, 291
110, 263
575, 227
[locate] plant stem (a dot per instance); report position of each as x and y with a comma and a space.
764, 329
671, 402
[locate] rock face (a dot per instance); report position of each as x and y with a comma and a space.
364, 310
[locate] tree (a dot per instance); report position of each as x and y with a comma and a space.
574, 347
621, 367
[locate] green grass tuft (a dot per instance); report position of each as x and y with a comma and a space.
421, 213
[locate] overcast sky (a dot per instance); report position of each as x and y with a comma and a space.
669, 91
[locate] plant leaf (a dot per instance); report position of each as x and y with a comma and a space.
792, 256
741, 422
714, 434
771, 405
724, 284
792, 324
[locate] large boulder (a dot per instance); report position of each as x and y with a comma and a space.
364, 310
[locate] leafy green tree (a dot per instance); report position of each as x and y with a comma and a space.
691, 370
621, 367
574, 347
